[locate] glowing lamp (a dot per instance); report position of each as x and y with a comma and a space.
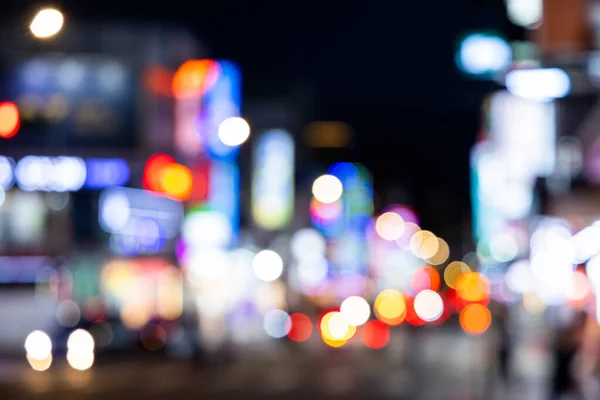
10, 120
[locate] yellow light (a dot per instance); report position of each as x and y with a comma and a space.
46, 23
40, 365
337, 326
176, 181
453, 271
80, 361
472, 286
424, 244
442, 253
390, 307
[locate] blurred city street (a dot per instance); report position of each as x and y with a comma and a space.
436, 364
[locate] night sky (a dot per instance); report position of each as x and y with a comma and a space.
386, 67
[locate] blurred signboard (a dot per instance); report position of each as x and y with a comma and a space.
329, 134
565, 27
77, 100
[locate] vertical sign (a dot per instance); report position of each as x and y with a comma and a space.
273, 180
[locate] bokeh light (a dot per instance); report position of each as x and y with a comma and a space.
327, 189
375, 335
80, 362
307, 241
176, 181
424, 244
46, 23
40, 365
441, 255
356, 310
429, 306
337, 326
68, 313
472, 287
389, 226
410, 229
267, 265
81, 341
234, 131
301, 328
10, 120
425, 278
38, 345
277, 323
475, 319
453, 271
390, 307
152, 179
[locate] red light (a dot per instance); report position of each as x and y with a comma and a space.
10, 120
194, 78
301, 328
152, 172
201, 183
375, 335
411, 315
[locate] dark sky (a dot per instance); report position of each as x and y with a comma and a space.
386, 67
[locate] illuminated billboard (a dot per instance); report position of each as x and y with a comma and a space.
207, 92
273, 180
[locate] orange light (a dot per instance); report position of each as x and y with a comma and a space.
332, 343
425, 278
475, 319
472, 287
375, 335
176, 181
10, 120
301, 328
194, 78
153, 171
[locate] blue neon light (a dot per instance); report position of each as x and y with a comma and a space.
222, 101
225, 193
106, 172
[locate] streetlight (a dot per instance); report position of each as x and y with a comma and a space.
46, 23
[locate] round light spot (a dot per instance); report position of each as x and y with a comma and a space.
475, 319
424, 244
356, 310
80, 341
68, 313
80, 361
389, 226
390, 307
267, 265
428, 305
38, 345
47, 23
277, 323
327, 189
453, 271
307, 241
234, 131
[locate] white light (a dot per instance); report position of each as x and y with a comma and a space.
47, 23
482, 54
327, 189
234, 131
338, 326
389, 226
38, 345
503, 248
80, 362
207, 265
313, 269
6, 173
267, 265
519, 277
356, 310
538, 84
593, 271
80, 342
429, 306
114, 212
2, 196
69, 174
307, 241
277, 323
526, 13
207, 229
34, 173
